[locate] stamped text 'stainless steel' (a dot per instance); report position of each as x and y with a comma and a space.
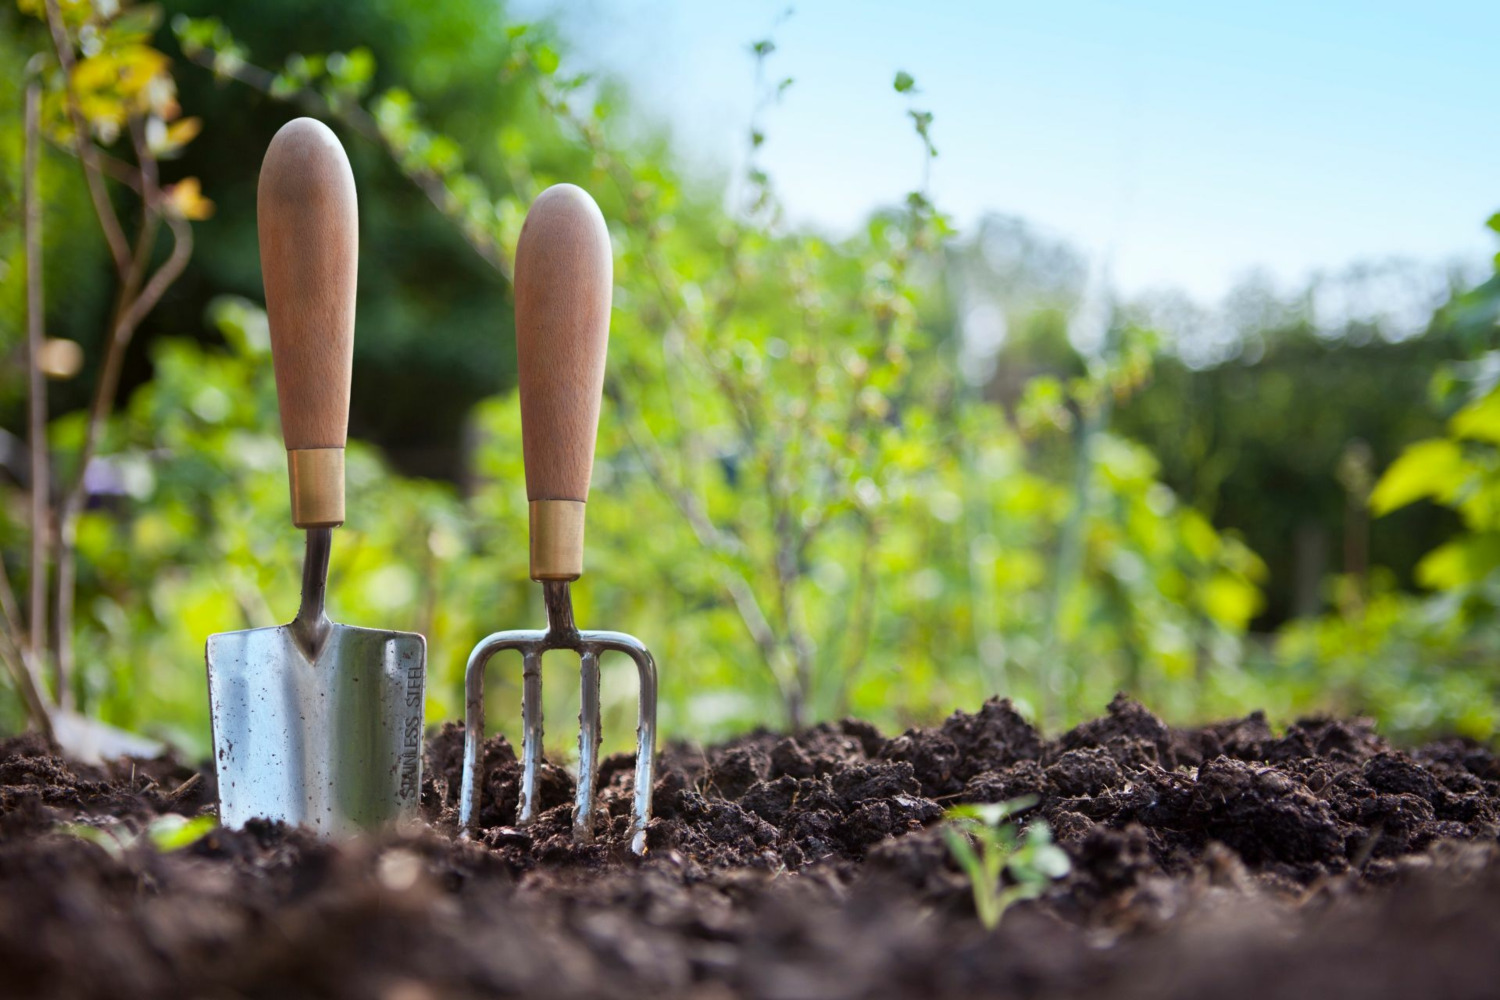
314, 723
563, 286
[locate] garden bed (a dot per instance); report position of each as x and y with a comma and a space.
1224, 861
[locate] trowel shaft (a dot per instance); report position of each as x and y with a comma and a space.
311, 624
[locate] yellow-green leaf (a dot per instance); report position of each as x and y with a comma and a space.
1480, 420
172, 831
1462, 561
1230, 600
1432, 468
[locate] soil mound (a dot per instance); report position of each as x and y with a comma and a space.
1226, 861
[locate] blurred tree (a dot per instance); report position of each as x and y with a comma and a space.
1256, 444
1251, 406
1425, 663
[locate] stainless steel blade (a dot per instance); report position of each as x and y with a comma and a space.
333, 743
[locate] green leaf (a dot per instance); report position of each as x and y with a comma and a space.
963, 852
546, 59
1046, 857
174, 831
242, 323
1479, 421
1431, 468
1459, 563
1231, 600
1198, 536
904, 84
358, 68
94, 835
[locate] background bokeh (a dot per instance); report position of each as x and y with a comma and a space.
887, 471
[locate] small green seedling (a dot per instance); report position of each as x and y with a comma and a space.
168, 832
986, 847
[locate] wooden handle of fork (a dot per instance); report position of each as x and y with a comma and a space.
309, 259
564, 278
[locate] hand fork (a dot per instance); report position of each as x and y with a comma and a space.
563, 284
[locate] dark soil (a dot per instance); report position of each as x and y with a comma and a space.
1221, 862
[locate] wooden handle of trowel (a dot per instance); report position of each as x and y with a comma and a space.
564, 277
309, 258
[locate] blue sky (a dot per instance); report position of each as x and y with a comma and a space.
1188, 142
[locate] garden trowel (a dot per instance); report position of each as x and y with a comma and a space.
314, 723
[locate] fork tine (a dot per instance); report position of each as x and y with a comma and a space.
468, 801
524, 640
531, 737
645, 747
645, 731
588, 747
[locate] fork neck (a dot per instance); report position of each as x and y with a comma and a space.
311, 626
558, 596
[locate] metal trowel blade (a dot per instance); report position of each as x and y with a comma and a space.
333, 743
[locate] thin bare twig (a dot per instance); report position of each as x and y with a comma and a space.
854, 635
787, 573
711, 537
10, 609
114, 168
15, 661
41, 473
24, 672
23, 646
133, 313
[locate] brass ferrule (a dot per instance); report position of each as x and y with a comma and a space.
317, 478
556, 539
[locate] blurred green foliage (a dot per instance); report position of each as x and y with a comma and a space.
804, 502
1426, 662
1255, 443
